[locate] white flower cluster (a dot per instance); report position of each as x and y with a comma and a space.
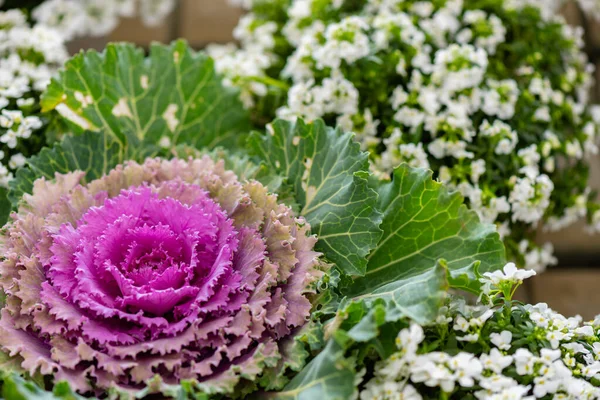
436, 85
74, 18
29, 57
532, 353
590, 7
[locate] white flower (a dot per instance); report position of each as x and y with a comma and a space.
471, 338
495, 361
153, 12
477, 169
554, 337
409, 339
501, 98
510, 273
530, 197
16, 161
344, 41
67, 16
456, 80
501, 340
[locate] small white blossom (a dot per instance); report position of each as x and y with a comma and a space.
501, 340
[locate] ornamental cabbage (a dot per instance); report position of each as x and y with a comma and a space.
173, 270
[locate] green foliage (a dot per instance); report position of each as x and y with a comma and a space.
174, 95
328, 174
430, 242
15, 387
424, 223
328, 377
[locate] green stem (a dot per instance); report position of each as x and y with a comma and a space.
270, 82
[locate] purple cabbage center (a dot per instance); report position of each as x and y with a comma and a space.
155, 262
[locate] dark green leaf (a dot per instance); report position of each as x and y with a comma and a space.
5, 206
328, 173
423, 224
14, 387
329, 376
174, 95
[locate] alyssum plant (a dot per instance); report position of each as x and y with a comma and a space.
492, 95
276, 268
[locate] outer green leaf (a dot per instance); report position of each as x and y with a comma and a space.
14, 387
329, 376
418, 296
173, 94
328, 173
4, 205
94, 153
424, 223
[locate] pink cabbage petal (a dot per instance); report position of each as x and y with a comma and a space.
31, 276
46, 323
35, 353
90, 287
145, 367
158, 302
205, 328
130, 174
204, 215
227, 297
46, 194
69, 210
77, 378
143, 323
64, 352
9, 272
279, 246
174, 277
133, 284
261, 296
183, 192
304, 275
236, 347
106, 333
277, 311
60, 308
221, 268
248, 367
175, 328
60, 268
103, 361
159, 346
241, 322
249, 257
247, 215
202, 368
24, 235
129, 204
110, 245
20, 321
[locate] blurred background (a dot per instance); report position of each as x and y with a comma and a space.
572, 287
